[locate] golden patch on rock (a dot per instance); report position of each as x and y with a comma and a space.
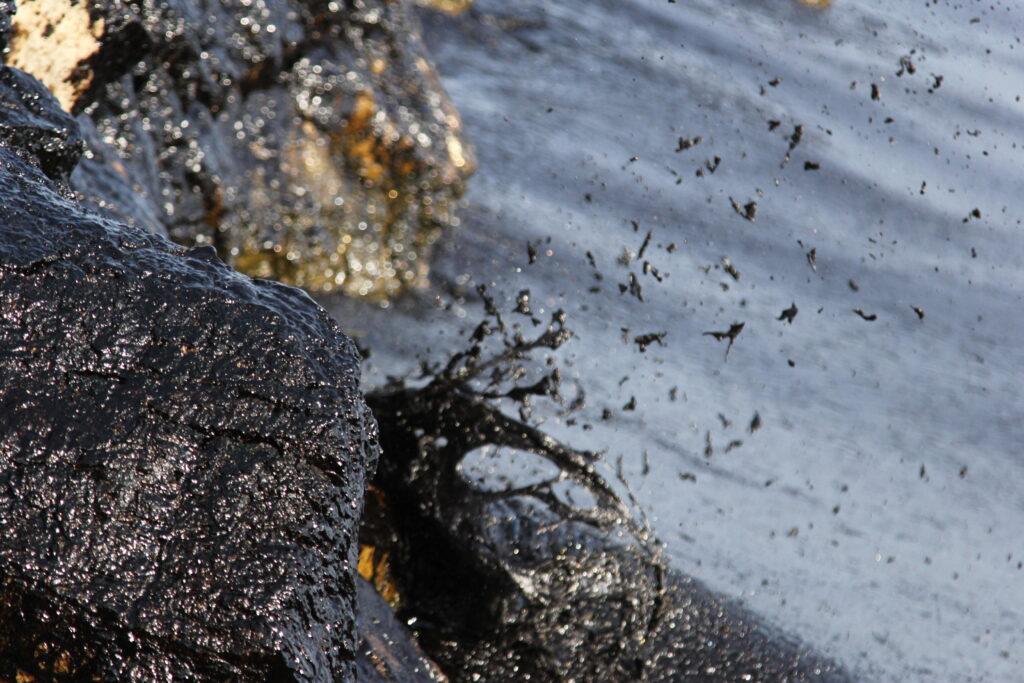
355, 183
363, 144
455, 151
815, 3
355, 202
52, 39
374, 566
449, 6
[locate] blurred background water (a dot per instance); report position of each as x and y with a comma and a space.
864, 156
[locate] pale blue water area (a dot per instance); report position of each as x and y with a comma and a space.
878, 513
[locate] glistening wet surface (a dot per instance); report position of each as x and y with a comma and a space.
844, 182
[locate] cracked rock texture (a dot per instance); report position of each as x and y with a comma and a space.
183, 450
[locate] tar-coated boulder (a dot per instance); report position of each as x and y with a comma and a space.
183, 450
307, 141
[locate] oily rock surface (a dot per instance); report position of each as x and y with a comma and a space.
307, 141
183, 450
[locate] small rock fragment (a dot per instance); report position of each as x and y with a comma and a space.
731, 334
645, 340
789, 314
747, 211
685, 144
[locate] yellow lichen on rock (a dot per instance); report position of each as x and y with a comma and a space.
815, 3
52, 39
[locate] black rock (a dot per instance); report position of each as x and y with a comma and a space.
7, 9
32, 124
386, 650
183, 450
307, 141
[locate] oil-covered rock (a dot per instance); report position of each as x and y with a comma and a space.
183, 450
386, 651
31, 127
307, 141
